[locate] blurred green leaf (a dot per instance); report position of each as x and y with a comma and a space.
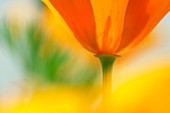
42, 59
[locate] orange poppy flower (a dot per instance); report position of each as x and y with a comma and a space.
110, 26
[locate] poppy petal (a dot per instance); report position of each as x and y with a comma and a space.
109, 17
141, 18
78, 14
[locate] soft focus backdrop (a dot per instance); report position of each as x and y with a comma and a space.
43, 67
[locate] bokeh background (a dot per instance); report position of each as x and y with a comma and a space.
43, 69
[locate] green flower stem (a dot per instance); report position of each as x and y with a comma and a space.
107, 62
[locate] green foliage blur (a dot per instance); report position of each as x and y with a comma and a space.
43, 61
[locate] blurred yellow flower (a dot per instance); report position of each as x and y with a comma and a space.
54, 100
147, 93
